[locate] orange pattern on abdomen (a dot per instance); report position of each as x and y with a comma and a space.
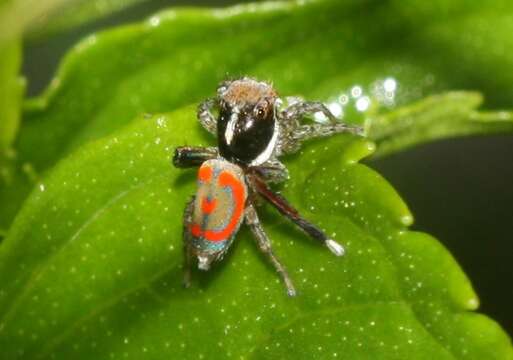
221, 197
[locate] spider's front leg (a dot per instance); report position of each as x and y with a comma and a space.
205, 116
264, 244
297, 132
191, 156
310, 131
304, 108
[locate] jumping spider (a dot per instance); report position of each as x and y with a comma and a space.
252, 133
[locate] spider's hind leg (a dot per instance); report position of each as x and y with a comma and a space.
187, 243
283, 206
264, 244
272, 171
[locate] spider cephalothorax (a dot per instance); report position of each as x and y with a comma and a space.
252, 132
247, 128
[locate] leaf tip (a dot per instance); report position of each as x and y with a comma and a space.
358, 150
371, 146
472, 303
407, 219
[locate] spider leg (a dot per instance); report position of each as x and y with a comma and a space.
187, 243
205, 116
283, 206
294, 133
190, 156
264, 244
310, 131
302, 108
272, 171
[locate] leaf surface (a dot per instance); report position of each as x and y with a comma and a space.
324, 50
12, 87
92, 265
436, 117
40, 18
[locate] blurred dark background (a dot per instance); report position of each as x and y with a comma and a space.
459, 190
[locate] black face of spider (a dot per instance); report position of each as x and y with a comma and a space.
246, 133
246, 129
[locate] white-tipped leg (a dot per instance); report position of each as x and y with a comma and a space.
282, 205
264, 244
203, 263
335, 247
291, 291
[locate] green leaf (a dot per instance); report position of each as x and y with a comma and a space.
17, 15
178, 56
91, 267
79, 12
16, 181
437, 117
11, 88
44, 17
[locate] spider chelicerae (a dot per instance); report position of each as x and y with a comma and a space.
252, 133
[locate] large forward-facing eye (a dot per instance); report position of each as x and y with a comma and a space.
261, 110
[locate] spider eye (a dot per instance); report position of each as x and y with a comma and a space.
261, 110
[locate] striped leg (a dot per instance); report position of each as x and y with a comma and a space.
264, 244
282, 205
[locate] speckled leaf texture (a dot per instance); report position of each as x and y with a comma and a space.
317, 49
91, 267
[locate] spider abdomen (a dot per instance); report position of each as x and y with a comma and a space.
218, 206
